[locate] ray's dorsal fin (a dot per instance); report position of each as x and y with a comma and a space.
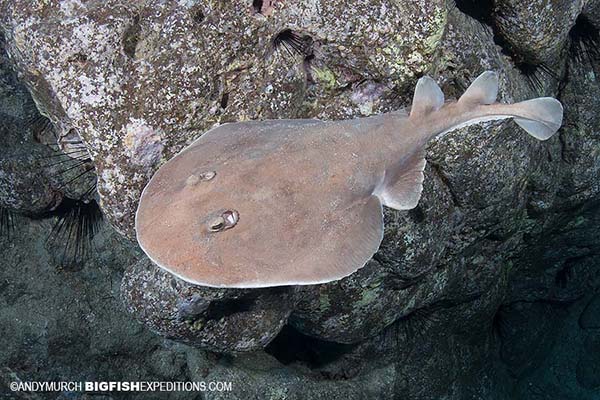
428, 98
483, 90
403, 190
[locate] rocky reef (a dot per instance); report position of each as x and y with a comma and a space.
488, 289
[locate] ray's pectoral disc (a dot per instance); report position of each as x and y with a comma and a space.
251, 205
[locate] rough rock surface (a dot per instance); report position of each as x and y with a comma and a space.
218, 320
22, 187
135, 81
486, 290
34, 177
537, 30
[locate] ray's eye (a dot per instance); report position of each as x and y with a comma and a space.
228, 219
207, 176
193, 180
231, 217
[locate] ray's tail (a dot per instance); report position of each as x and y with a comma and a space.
402, 185
541, 117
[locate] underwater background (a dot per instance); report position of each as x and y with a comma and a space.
489, 289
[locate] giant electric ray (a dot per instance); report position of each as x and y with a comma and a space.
296, 202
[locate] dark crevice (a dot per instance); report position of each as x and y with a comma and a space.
567, 155
497, 235
132, 37
509, 320
419, 322
76, 341
500, 324
257, 5
585, 41
567, 272
307, 64
224, 100
587, 318
397, 281
219, 309
395, 277
197, 15
535, 72
291, 346
481, 10
78, 58
444, 179
417, 214
466, 298
377, 257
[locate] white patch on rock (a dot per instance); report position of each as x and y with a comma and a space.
143, 143
110, 178
186, 3
90, 93
70, 8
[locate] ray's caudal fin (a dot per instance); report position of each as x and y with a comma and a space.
540, 117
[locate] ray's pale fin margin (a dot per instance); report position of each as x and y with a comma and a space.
403, 192
364, 237
483, 90
428, 98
